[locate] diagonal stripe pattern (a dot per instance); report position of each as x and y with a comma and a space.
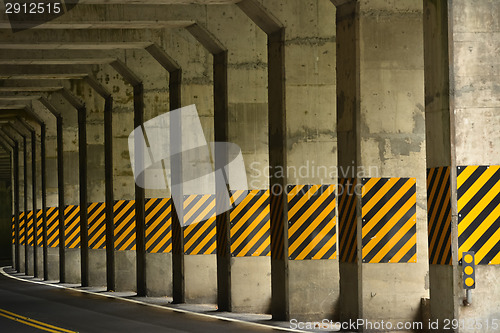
30, 228
348, 220
72, 226
39, 227
389, 220
13, 227
52, 227
478, 205
250, 223
96, 215
199, 221
158, 225
124, 221
22, 229
439, 215
312, 222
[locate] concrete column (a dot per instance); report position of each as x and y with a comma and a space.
311, 155
196, 273
463, 158
18, 204
69, 247
381, 145
247, 285
91, 94
51, 271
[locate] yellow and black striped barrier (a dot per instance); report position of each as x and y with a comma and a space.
96, 215
250, 223
158, 225
72, 226
30, 228
124, 211
348, 220
478, 205
39, 228
439, 215
389, 220
13, 227
199, 224
312, 222
52, 227
22, 226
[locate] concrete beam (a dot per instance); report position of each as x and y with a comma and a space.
105, 46
100, 25
280, 307
15, 152
12, 132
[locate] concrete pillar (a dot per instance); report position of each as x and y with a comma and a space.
381, 145
311, 156
463, 158
6, 221
72, 263
95, 181
52, 191
248, 286
124, 260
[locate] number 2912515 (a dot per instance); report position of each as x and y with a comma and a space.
32, 8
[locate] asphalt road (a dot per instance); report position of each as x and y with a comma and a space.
28, 307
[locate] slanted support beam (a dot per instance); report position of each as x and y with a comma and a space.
139, 192
43, 156
277, 154
25, 184
34, 226
108, 175
15, 152
221, 134
82, 168
108, 180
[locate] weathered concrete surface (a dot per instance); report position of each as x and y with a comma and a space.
39, 261
315, 290
476, 108
439, 147
200, 278
310, 48
53, 263
159, 274
484, 309
389, 130
125, 271
97, 267
251, 284
21, 268
5, 222
73, 266
30, 261
14, 257
441, 292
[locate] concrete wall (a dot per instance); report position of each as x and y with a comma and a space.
392, 130
310, 50
383, 111
248, 128
71, 176
5, 222
476, 107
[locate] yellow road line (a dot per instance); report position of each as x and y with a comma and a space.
32, 322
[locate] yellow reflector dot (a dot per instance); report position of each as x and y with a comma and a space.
469, 282
468, 258
468, 270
